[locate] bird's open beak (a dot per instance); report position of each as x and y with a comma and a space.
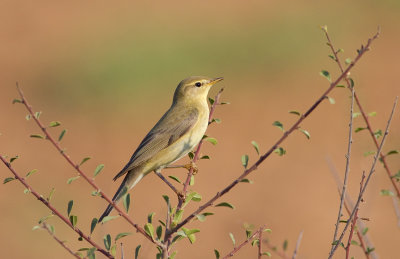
215, 80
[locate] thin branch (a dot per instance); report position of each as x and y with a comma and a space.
295, 126
366, 182
365, 117
346, 173
297, 245
46, 227
396, 209
80, 172
237, 248
260, 243
158, 173
275, 250
54, 210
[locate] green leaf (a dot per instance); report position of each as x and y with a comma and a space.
369, 250
159, 232
70, 205
137, 251
14, 158
126, 201
332, 57
17, 101
191, 182
8, 179
325, 74
31, 172
84, 160
305, 132
113, 250
212, 141
225, 204
177, 217
340, 86
356, 114
364, 231
359, 129
73, 219
36, 227
196, 197
392, 152
54, 124
62, 135
190, 234
280, 151
205, 157
26, 191
255, 145
108, 218
98, 169
233, 239
340, 50
295, 113
202, 217
278, 124
372, 114
96, 193
254, 242
267, 254
51, 194
386, 193
121, 235
348, 61
191, 155
245, 180
70, 180
28, 117
397, 176
211, 100
245, 160
37, 114
217, 255
90, 253
107, 241
285, 245
225, 103
353, 242
172, 256
174, 178
378, 133
351, 82
216, 120
150, 217
149, 229
248, 233
331, 100
93, 225
37, 136
45, 218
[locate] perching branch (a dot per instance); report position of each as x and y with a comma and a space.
54, 210
46, 227
365, 117
80, 172
295, 126
372, 170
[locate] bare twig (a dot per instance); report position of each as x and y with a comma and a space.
297, 245
80, 172
237, 248
365, 117
295, 126
158, 173
275, 250
346, 173
372, 170
53, 209
260, 243
46, 227
396, 209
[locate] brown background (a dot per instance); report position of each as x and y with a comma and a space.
107, 71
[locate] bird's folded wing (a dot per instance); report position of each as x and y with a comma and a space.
173, 125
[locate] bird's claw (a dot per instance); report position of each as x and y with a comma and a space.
191, 166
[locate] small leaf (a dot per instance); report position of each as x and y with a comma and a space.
37, 115
233, 239
202, 217
17, 101
51, 194
397, 176
216, 120
353, 242
285, 245
340, 86
126, 200
225, 103
98, 169
73, 219
325, 74
212, 141
54, 124
372, 114
37, 136
295, 113
149, 229
174, 178
369, 153
150, 217
43, 219
28, 117
392, 152
386, 193
267, 254
205, 157
31, 173
364, 231
280, 151
225, 204
121, 235
191, 155
70, 205
70, 180
26, 191
108, 218
351, 82
255, 145
191, 182
278, 124
217, 255
331, 100
305, 132
332, 57
245, 160
245, 180
84, 160
93, 225
8, 179
137, 251
369, 250
254, 242
113, 250
356, 114
36, 227
62, 135
107, 241
159, 232
90, 253
378, 133
348, 61
14, 158
190, 234
211, 100
359, 129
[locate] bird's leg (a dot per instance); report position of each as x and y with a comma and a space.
189, 166
158, 173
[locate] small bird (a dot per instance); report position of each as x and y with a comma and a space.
178, 131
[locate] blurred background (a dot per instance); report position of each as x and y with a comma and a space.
107, 72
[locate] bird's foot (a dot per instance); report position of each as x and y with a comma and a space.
192, 166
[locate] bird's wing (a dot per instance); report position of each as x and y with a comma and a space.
174, 124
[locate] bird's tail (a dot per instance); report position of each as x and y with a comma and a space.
130, 180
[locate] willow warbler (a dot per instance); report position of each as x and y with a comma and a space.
178, 131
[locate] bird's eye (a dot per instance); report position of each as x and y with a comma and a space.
198, 84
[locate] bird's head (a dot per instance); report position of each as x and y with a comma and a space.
194, 88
